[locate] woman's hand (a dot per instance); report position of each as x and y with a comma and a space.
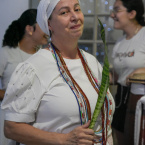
81, 135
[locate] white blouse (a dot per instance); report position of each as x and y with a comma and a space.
9, 59
38, 94
129, 55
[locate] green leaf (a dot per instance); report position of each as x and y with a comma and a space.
104, 83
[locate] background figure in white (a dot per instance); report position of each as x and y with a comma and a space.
21, 40
129, 56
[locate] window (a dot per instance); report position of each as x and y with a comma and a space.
91, 39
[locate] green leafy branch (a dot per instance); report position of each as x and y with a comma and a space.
104, 83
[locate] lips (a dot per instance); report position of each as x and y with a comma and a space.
75, 26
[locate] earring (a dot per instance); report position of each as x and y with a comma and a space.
30, 33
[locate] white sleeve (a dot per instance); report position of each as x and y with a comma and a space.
23, 94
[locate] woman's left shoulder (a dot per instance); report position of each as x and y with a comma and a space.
143, 29
141, 34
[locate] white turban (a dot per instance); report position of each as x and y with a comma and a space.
44, 11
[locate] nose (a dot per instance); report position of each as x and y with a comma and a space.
74, 16
112, 14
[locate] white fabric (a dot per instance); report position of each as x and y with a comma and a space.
137, 89
138, 119
37, 93
9, 59
129, 55
44, 11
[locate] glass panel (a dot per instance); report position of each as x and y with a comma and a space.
87, 6
88, 28
110, 49
87, 47
100, 53
110, 33
104, 6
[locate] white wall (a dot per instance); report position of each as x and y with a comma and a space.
10, 10
34, 3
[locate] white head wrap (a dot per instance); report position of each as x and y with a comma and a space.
44, 11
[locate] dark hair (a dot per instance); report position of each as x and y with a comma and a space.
138, 6
16, 29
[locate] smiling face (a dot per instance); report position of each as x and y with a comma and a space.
120, 15
67, 20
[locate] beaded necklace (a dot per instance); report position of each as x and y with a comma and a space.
83, 103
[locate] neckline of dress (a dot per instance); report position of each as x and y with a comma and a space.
137, 31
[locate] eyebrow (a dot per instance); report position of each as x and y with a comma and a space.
66, 7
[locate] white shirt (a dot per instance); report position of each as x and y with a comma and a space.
138, 89
9, 59
129, 55
37, 93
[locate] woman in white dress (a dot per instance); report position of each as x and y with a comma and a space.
19, 43
52, 96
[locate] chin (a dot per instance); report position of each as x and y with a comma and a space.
76, 36
79, 34
117, 27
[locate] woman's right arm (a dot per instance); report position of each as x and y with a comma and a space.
29, 135
2, 92
21, 104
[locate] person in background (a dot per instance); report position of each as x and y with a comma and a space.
20, 41
128, 54
52, 95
